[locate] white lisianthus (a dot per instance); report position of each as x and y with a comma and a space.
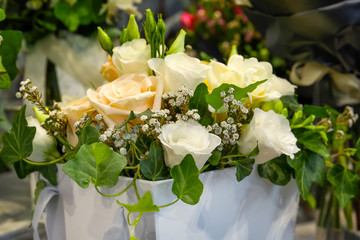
182, 138
179, 70
272, 133
132, 57
41, 143
243, 72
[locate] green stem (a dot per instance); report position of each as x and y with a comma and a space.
322, 205
136, 191
232, 156
348, 216
45, 163
336, 215
132, 167
167, 205
117, 194
327, 213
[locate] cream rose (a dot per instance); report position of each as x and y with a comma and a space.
243, 72
130, 92
132, 57
41, 143
73, 112
182, 138
272, 133
179, 70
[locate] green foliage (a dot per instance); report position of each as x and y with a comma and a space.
345, 183
215, 100
18, 141
39, 187
291, 103
198, 101
312, 141
9, 49
83, 12
215, 158
50, 173
145, 204
95, 163
105, 41
153, 167
244, 167
277, 171
187, 185
88, 135
309, 168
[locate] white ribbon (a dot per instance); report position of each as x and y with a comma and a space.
44, 198
346, 86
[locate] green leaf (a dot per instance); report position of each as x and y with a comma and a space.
309, 168
18, 141
291, 103
5, 82
145, 204
187, 185
345, 183
319, 112
96, 163
88, 135
311, 201
276, 170
313, 141
2, 14
358, 149
23, 169
154, 168
215, 100
244, 168
198, 101
215, 158
50, 173
9, 49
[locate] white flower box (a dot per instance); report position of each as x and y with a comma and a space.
251, 209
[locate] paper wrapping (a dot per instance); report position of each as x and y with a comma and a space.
251, 209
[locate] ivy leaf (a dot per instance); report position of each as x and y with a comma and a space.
154, 168
215, 158
23, 169
5, 82
198, 101
319, 112
95, 163
18, 141
215, 100
244, 168
309, 168
276, 170
187, 185
345, 183
145, 204
9, 48
313, 141
50, 173
88, 135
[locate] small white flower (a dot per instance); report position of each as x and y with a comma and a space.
22, 88
77, 124
33, 89
145, 127
196, 116
18, 95
230, 120
133, 137
98, 117
53, 113
143, 118
123, 151
231, 90
102, 138
119, 143
108, 133
100, 126
126, 136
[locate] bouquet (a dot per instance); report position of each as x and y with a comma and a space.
163, 114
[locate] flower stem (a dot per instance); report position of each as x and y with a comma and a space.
45, 163
117, 194
167, 205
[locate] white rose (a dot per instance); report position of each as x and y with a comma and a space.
272, 133
182, 138
41, 143
179, 70
243, 72
132, 57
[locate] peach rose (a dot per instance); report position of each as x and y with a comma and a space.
130, 92
109, 70
73, 112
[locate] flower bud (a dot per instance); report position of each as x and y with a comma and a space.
124, 37
150, 23
132, 28
105, 41
161, 26
233, 51
179, 43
